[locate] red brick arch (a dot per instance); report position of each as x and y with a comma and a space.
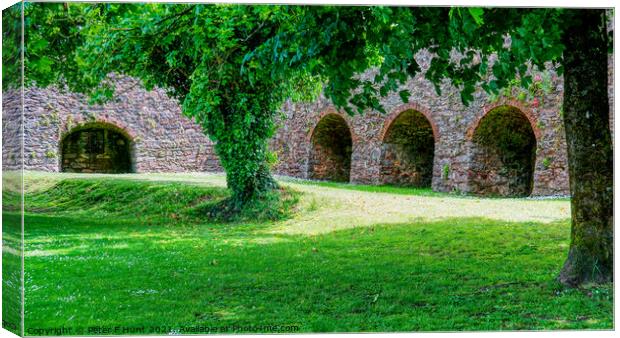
101, 121
403, 108
331, 111
527, 112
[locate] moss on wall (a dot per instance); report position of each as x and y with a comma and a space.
408, 151
504, 154
330, 155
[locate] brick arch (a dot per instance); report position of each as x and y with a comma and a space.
497, 170
123, 163
330, 148
395, 113
125, 131
531, 117
330, 111
106, 122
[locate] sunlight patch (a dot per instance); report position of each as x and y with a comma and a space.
350, 209
44, 253
226, 314
9, 250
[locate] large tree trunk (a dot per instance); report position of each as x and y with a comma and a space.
242, 140
247, 185
590, 156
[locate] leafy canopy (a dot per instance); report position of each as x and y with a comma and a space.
232, 66
300, 48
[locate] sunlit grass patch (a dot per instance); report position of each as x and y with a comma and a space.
345, 260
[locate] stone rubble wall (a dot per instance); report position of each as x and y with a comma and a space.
163, 140
408, 151
330, 155
12, 131
453, 123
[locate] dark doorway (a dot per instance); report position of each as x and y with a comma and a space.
504, 154
96, 149
408, 151
330, 153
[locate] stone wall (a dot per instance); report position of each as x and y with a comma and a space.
330, 152
453, 127
503, 154
161, 138
12, 121
408, 151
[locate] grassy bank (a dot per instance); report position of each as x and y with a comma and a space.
135, 251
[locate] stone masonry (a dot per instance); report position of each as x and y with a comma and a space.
453, 125
316, 141
160, 138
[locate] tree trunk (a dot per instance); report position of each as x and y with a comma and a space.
248, 185
242, 140
590, 155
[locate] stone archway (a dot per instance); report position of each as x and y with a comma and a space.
503, 154
331, 148
408, 150
96, 148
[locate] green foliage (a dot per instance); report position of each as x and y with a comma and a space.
271, 158
445, 171
11, 46
546, 162
535, 38
53, 32
50, 154
232, 66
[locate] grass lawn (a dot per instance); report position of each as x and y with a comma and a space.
135, 251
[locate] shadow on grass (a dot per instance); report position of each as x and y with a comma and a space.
453, 274
11, 271
155, 202
103, 252
273, 206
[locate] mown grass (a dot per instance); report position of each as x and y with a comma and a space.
367, 188
11, 252
114, 251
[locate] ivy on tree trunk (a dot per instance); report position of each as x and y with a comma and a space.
590, 156
241, 128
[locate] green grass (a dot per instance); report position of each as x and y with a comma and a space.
11, 252
132, 251
367, 188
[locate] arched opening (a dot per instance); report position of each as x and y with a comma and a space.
330, 155
408, 151
96, 148
504, 154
